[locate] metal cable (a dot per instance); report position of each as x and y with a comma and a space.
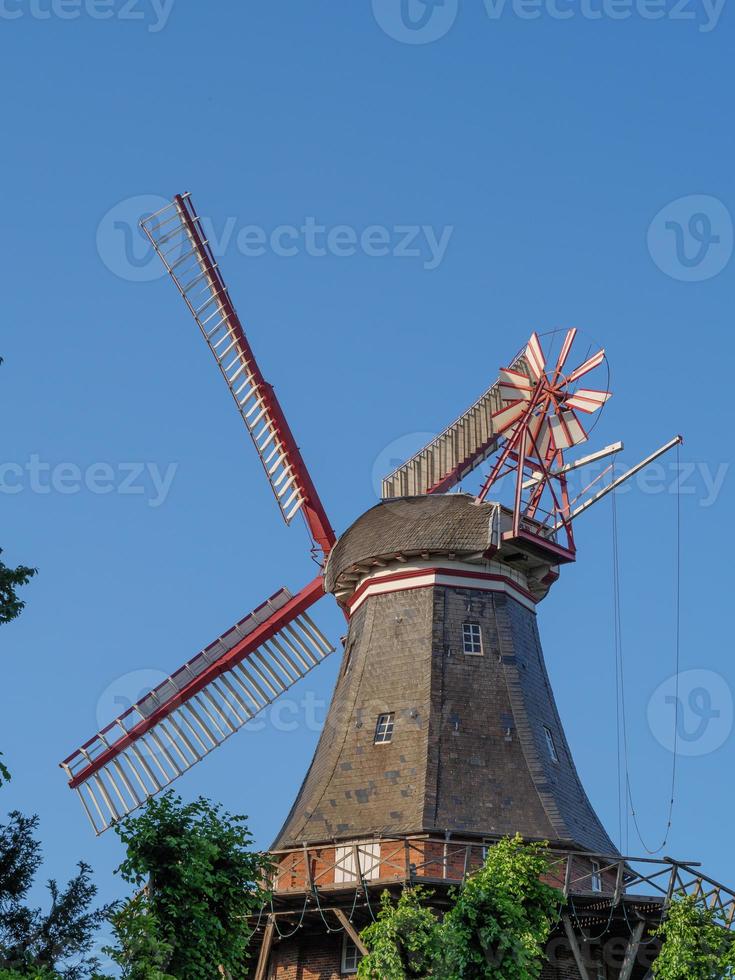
620, 674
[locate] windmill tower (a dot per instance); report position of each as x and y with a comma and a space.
443, 734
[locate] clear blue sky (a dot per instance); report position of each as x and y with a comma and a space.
545, 148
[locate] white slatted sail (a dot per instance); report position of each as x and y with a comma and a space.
587, 399
550, 421
176, 234
566, 430
589, 365
535, 357
197, 708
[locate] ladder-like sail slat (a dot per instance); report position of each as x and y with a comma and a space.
199, 706
176, 234
456, 451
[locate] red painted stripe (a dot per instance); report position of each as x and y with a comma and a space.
439, 570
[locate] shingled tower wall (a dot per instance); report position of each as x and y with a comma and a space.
477, 750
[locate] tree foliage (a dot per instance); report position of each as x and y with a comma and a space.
403, 941
502, 918
695, 944
497, 928
33, 974
34, 944
11, 579
198, 881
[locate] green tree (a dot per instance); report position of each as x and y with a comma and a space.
11, 579
198, 880
34, 944
32, 975
404, 940
10, 607
695, 944
502, 917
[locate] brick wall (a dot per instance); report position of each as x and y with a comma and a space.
308, 958
319, 957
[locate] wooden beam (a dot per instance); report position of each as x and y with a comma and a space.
309, 876
619, 882
632, 951
265, 950
351, 931
576, 952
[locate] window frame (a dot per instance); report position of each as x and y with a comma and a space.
385, 727
596, 877
348, 659
551, 745
345, 968
472, 652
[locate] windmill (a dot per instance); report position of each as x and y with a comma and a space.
528, 419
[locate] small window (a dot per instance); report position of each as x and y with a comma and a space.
472, 639
550, 744
596, 877
348, 660
384, 729
350, 955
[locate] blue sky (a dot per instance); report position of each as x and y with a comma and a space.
553, 170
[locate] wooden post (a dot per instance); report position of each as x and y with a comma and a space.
309, 876
568, 876
358, 869
632, 951
576, 952
265, 950
619, 882
351, 931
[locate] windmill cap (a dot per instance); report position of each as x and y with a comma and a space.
452, 523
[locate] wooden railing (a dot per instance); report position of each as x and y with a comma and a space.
432, 860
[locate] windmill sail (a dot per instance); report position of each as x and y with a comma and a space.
176, 234
462, 446
199, 706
